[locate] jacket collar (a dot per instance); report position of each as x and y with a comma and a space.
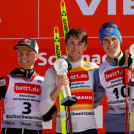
114, 61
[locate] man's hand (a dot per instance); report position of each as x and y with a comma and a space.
61, 81
54, 116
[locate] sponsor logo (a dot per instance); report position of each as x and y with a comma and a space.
2, 82
23, 117
27, 88
86, 65
121, 108
9, 123
38, 125
128, 75
58, 53
83, 97
25, 123
114, 74
47, 57
89, 9
82, 113
78, 76
65, 26
108, 31
26, 41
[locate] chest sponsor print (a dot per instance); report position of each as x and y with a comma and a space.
83, 97
114, 73
27, 88
78, 76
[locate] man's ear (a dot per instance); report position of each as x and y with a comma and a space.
85, 46
36, 56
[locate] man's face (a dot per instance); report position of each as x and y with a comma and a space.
111, 45
75, 49
26, 57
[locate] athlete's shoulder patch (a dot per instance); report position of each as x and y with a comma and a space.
86, 65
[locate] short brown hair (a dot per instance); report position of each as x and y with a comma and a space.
79, 33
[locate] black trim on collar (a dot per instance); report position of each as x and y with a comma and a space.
20, 72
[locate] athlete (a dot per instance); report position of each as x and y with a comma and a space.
81, 81
108, 78
21, 91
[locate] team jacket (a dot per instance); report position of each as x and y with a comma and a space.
81, 86
21, 92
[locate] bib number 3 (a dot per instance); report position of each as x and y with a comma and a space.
27, 107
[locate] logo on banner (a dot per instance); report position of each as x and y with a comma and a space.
27, 88
47, 57
92, 7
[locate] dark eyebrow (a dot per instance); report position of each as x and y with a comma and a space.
80, 42
71, 41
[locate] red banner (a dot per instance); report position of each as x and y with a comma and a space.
37, 18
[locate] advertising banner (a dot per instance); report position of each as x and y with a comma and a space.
37, 18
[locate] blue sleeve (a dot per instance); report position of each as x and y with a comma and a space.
99, 90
